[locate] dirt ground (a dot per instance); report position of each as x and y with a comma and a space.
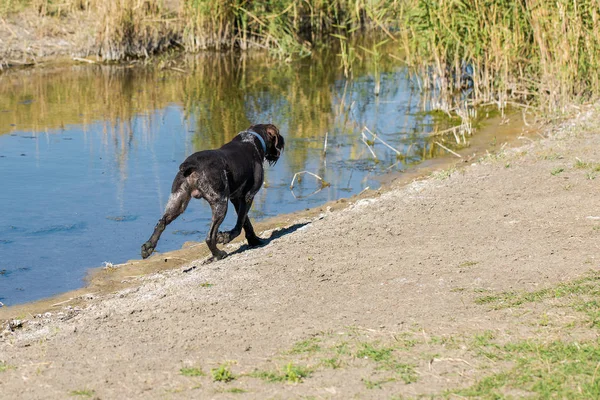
380, 299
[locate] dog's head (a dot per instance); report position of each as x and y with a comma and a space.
273, 140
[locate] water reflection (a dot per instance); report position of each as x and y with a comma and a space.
88, 153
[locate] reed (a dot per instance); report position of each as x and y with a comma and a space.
138, 28
540, 52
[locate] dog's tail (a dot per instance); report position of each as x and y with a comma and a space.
186, 168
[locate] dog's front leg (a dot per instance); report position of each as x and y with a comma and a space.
241, 208
219, 210
251, 237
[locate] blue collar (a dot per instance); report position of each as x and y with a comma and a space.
260, 139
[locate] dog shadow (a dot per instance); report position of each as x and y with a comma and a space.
276, 234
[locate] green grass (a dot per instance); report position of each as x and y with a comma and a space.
580, 294
235, 390
5, 367
542, 53
557, 171
206, 285
222, 374
191, 371
82, 393
557, 370
310, 345
333, 362
375, 353
468, 264
369, 384
290, 373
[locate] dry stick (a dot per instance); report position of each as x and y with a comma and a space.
368, 146
448, 150
381, 140
84, 60
305, 172
325, 144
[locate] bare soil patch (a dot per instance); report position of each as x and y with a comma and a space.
383, 298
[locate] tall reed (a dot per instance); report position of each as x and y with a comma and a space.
536, 51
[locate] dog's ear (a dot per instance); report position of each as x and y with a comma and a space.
275, 137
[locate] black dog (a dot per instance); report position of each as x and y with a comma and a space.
233, 172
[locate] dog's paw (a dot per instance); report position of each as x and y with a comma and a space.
256, 241
216, 256
147, 249
223, 237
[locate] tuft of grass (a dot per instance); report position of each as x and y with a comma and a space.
468, 264
333, 362
291, 373
206, 285
581, 165
5, 367
557, 171
310, 345
235, 390
374, 353
191, 371
222, 374
82, 393
369, 384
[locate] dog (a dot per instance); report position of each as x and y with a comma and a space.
232, 173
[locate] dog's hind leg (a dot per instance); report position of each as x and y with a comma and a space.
178, 201
219, 210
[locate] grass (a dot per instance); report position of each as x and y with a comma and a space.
5, 367
191, 371
580, 294
141, 28
542, 53
222, 374
557, 171
310, 345
556, 369
375, 353
291, 373
82, 393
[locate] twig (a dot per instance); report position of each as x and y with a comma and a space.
325, 144
178, 70
62, 302
306, 172
84, 60
381, 140
364, 137
448, 150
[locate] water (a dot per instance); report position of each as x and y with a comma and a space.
88, 153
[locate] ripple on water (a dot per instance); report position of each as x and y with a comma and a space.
122, 218
186, 233
52, 229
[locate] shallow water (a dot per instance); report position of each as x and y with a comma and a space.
88, 153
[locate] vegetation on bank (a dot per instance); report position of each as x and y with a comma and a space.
543, 53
